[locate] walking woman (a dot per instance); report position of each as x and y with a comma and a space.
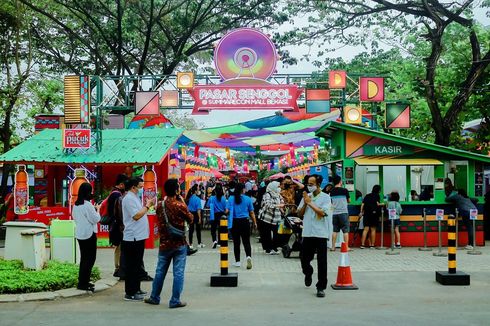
241, 209
269, 216
194, 204
86, 217
217, 209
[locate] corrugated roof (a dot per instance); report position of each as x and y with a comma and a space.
119, 146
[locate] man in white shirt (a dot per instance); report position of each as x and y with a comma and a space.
315, 209
136, 231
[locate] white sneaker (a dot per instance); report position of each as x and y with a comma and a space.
191, 246
249, 262
237, 264
273, 252
469, 247
201, 245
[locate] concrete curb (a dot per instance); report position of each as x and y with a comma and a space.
100, 285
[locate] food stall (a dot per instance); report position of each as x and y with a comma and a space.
122, 150
365, 157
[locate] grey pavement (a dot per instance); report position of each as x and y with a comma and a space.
393, 290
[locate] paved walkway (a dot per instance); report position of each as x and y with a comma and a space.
394, 290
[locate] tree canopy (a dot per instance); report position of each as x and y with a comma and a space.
431, 34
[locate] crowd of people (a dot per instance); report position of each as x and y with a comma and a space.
247, 206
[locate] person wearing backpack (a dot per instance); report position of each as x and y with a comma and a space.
370, 212
116, 225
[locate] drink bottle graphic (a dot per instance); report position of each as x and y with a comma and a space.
149, 187
80, 177
21, 191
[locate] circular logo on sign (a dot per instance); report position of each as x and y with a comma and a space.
245, 53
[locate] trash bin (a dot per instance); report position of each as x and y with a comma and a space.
13, 238
64, 247
33, 248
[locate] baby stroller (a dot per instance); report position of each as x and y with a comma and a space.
293, 227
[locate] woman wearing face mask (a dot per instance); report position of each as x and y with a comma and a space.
86, 217
269, 216
241, 209
194, 204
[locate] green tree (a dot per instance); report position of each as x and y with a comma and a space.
16, 65
424, 30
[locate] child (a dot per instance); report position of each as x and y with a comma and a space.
393, 203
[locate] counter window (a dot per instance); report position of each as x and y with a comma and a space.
422, 182
366, 178
395, 179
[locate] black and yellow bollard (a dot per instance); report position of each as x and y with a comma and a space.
452, 276
224, 278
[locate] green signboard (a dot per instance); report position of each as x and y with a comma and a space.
386, 150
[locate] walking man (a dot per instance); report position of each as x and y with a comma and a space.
315, 211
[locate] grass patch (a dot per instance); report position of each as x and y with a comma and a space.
55, 276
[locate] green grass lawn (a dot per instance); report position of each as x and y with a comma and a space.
55, 276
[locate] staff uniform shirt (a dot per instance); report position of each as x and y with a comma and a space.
312, 226
134, 230
195, 204
340, 197
86, 219
216, 206
241, 210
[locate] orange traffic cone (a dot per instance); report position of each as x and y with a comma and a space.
344, 277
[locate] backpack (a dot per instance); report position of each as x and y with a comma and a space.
105, 216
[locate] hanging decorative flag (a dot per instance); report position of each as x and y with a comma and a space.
337, 79
371, 89
257, 151
322, 142
196, 151
227, 150
291, 150
147, 103
317, 101
397, 115
84, 99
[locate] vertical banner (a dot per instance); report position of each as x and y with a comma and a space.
149, 187
72, 99
84, 99
21, 191
371, 89
397, 115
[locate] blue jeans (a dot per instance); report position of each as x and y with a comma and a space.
178, 256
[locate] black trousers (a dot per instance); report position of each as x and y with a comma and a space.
309, 247
469, 225
195, 224
268, 236
241, 230
88, 253
133, 260
215, 224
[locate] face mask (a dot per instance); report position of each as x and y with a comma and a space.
232, 189
311, 189
198, 193
140, 192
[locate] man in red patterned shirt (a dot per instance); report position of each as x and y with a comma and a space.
172, 211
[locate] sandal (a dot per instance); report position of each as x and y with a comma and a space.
332, 249
362, 247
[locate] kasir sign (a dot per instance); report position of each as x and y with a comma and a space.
245, 59
76, 138
218, 97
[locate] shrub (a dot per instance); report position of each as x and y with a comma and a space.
55, 276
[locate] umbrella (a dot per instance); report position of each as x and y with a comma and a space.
217, 174
277, 176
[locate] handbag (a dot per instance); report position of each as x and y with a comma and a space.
175, 233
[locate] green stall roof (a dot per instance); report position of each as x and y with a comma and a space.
329, 127
119, 146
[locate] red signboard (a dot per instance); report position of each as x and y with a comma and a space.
76, 138
245, 97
